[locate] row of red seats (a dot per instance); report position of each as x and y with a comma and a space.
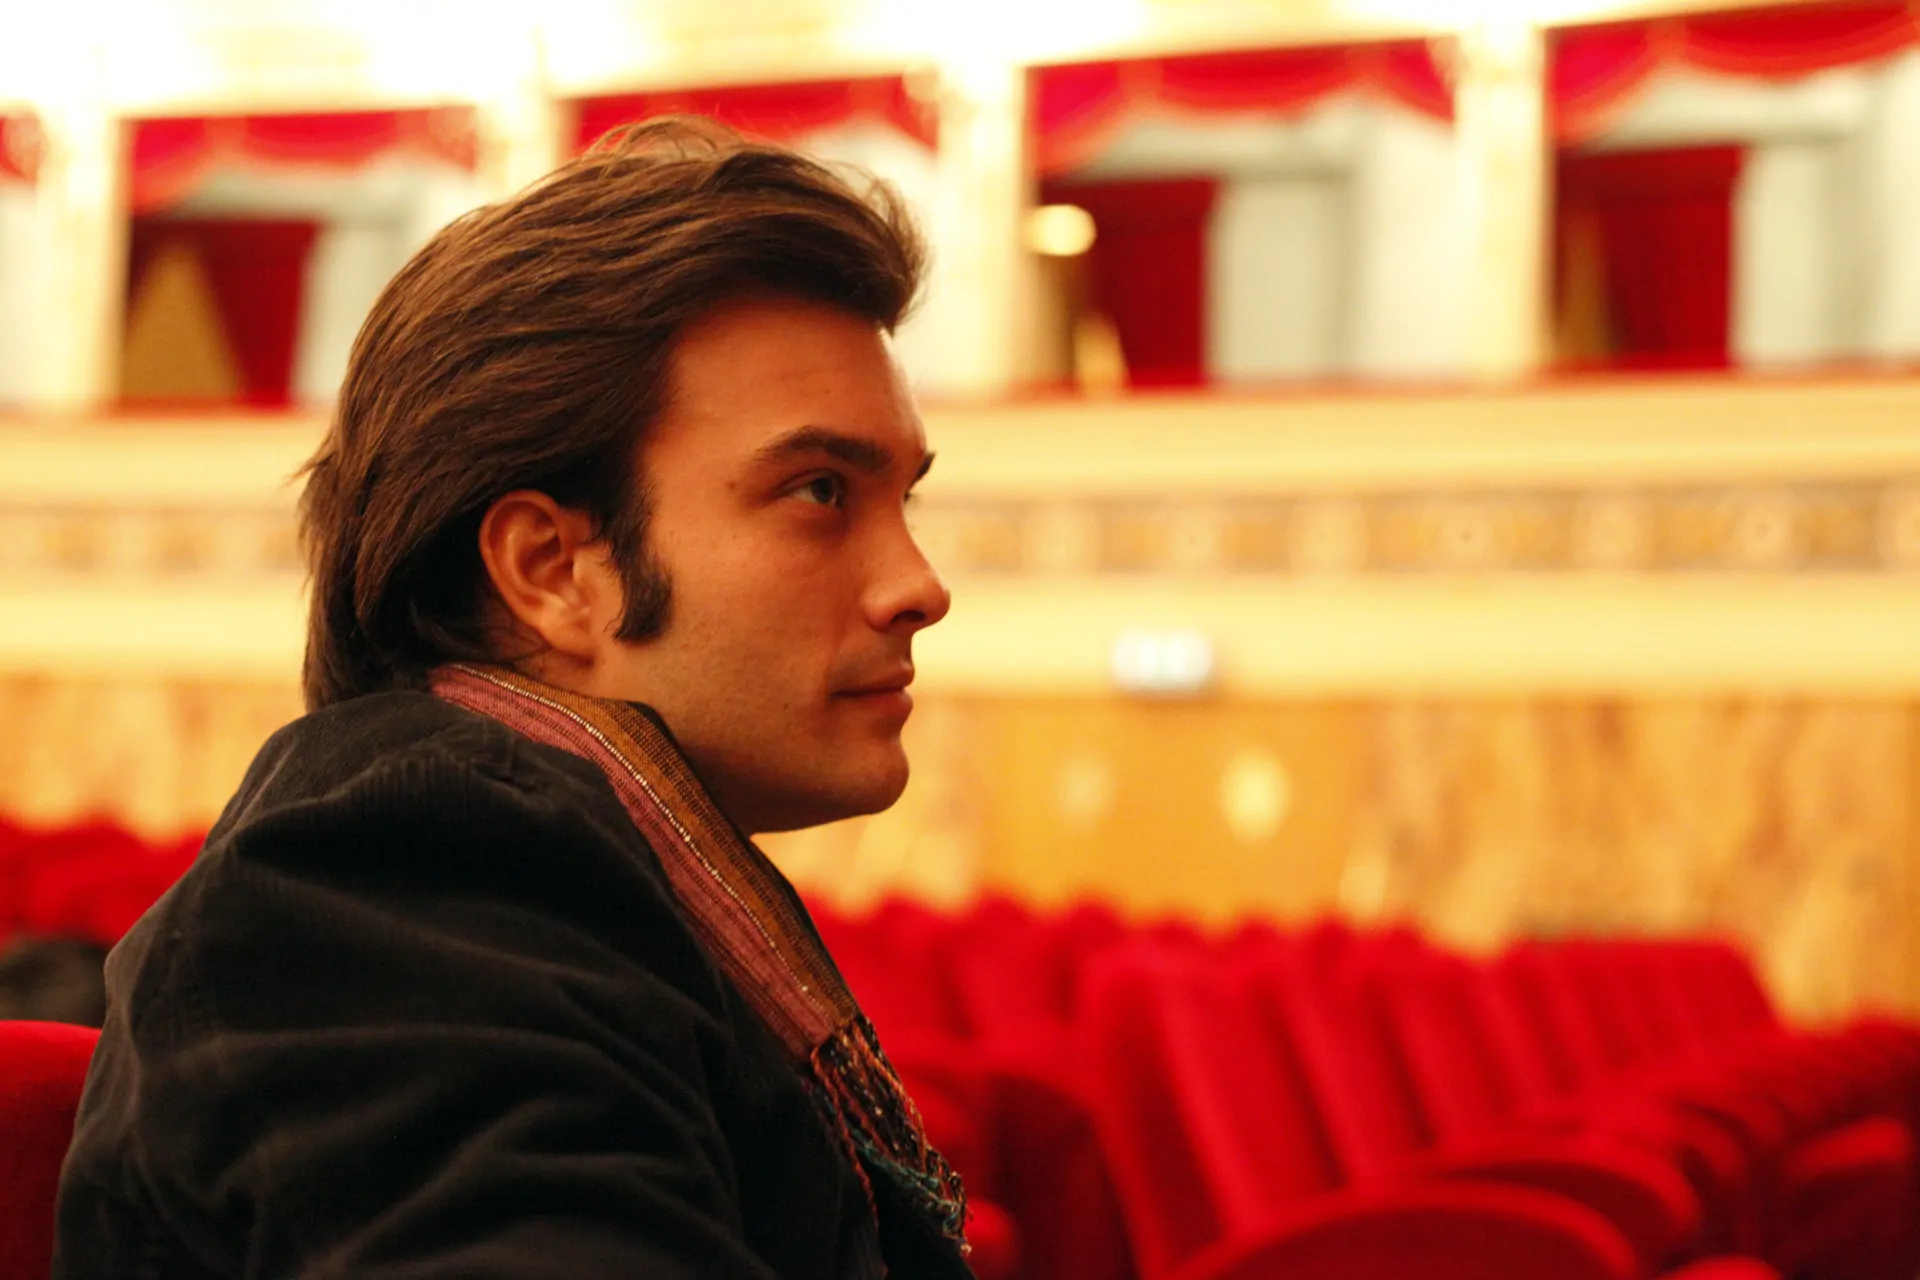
89, 881
1152, 1101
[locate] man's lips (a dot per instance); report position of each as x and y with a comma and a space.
894, 682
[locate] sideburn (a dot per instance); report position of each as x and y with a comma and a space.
643, 579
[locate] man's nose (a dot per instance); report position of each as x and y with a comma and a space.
911, 593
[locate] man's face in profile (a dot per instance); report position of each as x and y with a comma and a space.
779, 475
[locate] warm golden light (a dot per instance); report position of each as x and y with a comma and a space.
1060, 230
994, 33
1465, 15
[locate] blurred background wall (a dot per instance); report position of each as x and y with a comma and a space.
1458, 465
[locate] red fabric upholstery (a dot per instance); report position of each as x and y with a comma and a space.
41, 874
1044, 1161
995, 1241
1465, 1009
1360, 1074
1012, 974
1087, 929
1226, 1167
958, 1017
1161, 1128
1837, 1176
1725, 1269
894, 963
1437, 1231
1851, 1196
1053, 1173
96, 891
952, 1125
42, 1068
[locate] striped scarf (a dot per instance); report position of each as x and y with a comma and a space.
749, 920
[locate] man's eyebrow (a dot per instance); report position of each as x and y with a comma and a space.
855, 451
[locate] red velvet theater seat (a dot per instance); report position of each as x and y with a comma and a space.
1337, 1023
42, 1068
1479, 1078
1227, 1171
1837, 1166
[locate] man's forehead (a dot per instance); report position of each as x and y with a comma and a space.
792, 363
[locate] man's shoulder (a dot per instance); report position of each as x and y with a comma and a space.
331, 753
403, 797
398, 819
407, 909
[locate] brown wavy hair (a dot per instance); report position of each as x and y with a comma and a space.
528, 346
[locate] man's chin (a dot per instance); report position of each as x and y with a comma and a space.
837, 800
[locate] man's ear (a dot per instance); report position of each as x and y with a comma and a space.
549, 572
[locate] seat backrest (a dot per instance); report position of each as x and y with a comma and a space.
1566, 1024
1154, 1123
915, 941
1598, 972
1515, 1039
891, 960
42, 1068
1010, 972
1661, 990
27, 853
1432, 1009
1084, 932
1336, 1024
1207, 1127
1744, 999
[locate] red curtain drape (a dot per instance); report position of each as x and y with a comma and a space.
19, 147
1662, 222
1079, 107
776, 112
1595, 71
1148, 268
172, 155
256, 269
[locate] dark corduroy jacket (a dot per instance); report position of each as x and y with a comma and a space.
426, 1007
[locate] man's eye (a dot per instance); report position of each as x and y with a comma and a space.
827, 490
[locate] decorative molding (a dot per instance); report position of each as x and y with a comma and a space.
1862, 526
156, 544
1811, 527
1654, 535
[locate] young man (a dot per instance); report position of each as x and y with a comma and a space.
479, 974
